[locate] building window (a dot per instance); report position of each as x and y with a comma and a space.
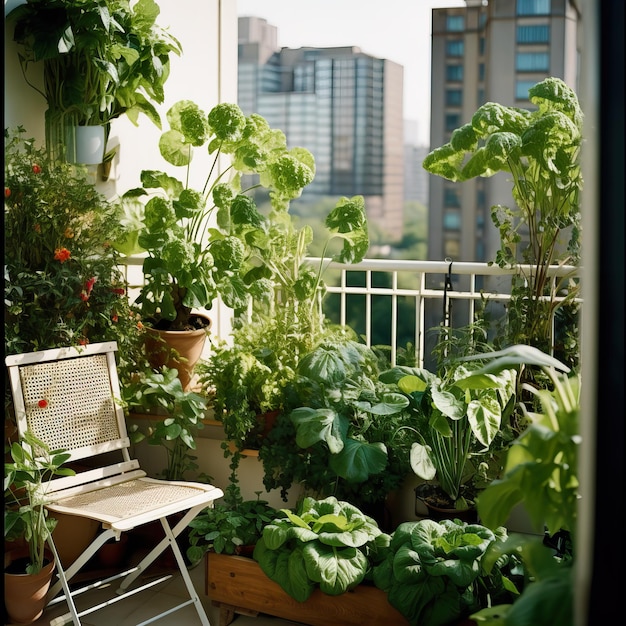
481, 72
452, 220
535, 33
481, 46
455, 23
454, 97
451, 248
532, 61
453, 121
533, 7
451, 197
522, 87
454, 72
455, 48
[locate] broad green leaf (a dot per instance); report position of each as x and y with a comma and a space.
358, 460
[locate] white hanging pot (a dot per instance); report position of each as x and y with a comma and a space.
86, 145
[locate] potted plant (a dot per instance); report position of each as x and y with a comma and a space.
100, 60
344, 432
29, 570
177, 415
62, 280
325, 544
433, 572
229, 527
542, 472
539, 150
461, 420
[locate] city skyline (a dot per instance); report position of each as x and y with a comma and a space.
407, 40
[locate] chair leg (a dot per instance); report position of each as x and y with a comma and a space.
170, 540
63, 582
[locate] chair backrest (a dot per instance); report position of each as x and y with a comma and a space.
69, 398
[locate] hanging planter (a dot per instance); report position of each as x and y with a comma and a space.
86, 144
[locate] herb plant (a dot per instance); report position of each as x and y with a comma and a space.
539, 150
26, 478
325, 544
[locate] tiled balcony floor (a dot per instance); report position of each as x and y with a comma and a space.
144, 605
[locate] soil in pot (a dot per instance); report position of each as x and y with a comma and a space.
440, 506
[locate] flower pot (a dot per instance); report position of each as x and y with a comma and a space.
113, 553
72, 535
440, 507
180, 349
25, 594
85, 144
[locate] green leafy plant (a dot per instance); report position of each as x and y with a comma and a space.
344, 424
202, 243
325, 545
228, 529
433, 572
178, 417
101, 59
539, 149
26, 479
459, 415
62, 284
542, 473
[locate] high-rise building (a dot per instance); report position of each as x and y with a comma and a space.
494, 51
343, 105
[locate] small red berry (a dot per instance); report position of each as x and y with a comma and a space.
36, 169
42, 404
7, 192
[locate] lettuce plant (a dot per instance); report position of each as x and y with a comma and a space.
433, 573
325, 544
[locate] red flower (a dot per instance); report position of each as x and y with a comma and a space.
62, 255
84, 296
120, 291
114, 318
83, 341
7, 192
89, 283
42, 404
36, 169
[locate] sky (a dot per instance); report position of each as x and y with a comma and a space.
397, 30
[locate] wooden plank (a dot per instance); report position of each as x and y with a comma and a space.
239, 582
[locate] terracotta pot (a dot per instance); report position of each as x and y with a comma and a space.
113, 553
180, 349
25, 594
72, 535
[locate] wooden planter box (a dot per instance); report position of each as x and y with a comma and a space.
238, 585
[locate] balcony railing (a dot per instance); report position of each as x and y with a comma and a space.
396, 303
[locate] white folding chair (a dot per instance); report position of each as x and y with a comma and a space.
69, 399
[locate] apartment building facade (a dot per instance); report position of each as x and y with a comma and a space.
343, 105
488, 51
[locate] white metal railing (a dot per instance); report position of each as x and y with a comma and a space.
427, 291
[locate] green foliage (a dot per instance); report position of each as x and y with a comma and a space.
26, 480
539, 150
460, 413
212, 242
542, 473
227, 529
346, 427
100, 59
325, 544
433, 571
62, 282
178, 417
